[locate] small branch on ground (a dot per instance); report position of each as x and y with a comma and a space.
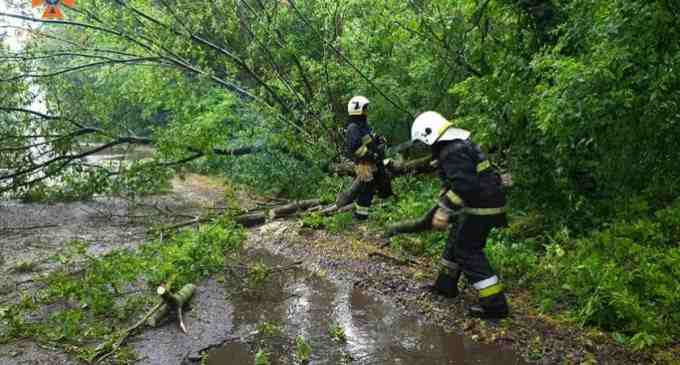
28, 228
123, 336
152, 318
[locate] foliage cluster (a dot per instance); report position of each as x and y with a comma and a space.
335, 223
623, 278
75, 310
580, 97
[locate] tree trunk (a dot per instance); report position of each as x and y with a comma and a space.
416, 166
292, 208
251, 220
170, 301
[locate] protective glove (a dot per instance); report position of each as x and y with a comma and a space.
364, 171
449, 204
440, 220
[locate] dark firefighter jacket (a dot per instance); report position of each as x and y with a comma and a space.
360, 142
469, 177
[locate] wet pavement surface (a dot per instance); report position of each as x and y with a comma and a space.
300, 303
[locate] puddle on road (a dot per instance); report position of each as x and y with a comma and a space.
302, 304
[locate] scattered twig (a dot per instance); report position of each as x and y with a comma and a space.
125, 334
278, 269
28, 228
195, 220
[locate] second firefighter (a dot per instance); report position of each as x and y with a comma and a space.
367, 151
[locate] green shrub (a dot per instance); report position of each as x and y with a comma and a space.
416, 196
623, 278
303, 351
338, 222
669, 221
515, 261
313, 221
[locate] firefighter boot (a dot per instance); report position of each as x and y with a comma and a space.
494, 306
447, 283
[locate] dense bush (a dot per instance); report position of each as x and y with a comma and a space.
623, 278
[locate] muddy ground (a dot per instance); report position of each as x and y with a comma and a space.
357, 258
217, 321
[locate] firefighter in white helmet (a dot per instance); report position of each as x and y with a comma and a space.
367, 151
473, 192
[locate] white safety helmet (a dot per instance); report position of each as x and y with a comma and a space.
357, 105
431, 127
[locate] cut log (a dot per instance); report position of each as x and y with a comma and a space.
415, 226
347, 197
396, 168
345, 168
292, 208
251, 220
418, 166
333, 209
170, 301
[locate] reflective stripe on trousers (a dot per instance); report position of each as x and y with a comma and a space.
360, 210
488, 286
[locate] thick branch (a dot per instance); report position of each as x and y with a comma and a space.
81, 25
52, 117
25, 57
279, 41
416, 166
70, 158
77, 133
81, 67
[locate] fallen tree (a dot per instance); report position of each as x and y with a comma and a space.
292, 208
395, 168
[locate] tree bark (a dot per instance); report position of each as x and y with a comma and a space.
292, 208
177, 300
416, 166
347, 197
251, 220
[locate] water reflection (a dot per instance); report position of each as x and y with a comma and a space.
377, 331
